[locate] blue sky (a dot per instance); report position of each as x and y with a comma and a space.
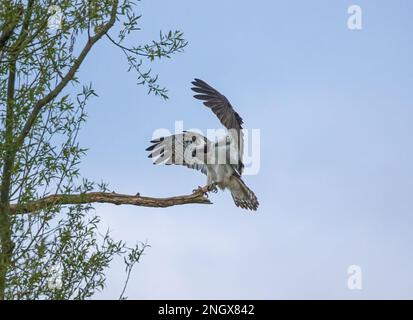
334, 107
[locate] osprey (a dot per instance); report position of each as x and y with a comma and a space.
220, 161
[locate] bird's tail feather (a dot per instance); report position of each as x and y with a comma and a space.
243, 196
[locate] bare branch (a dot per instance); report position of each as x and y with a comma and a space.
198, 197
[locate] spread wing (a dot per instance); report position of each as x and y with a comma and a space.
219, 105
188, 149
223, 109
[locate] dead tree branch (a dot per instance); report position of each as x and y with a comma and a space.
197, 197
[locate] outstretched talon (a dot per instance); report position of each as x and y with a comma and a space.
213, 188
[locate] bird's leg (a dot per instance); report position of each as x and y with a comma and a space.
199, 189
209, 188
212, 187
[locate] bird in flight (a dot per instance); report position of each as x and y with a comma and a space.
220, 161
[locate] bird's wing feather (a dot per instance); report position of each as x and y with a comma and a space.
178, 149
223, 109
218, 103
